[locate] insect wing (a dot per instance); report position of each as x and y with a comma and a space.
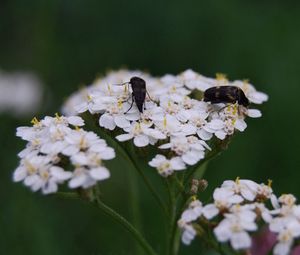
139, 97
221, 94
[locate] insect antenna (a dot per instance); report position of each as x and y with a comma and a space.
121, 84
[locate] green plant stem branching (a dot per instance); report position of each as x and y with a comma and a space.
129, 159
117, 218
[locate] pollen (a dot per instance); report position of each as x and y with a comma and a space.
173, 89
45, 175
36, 142
194, 198
29, 167
270, 183
82, 143
137, 128
234, 109
237, 180
221, 77
89, 98
35, 121
165, 122
109, 88
120, 104
77, 128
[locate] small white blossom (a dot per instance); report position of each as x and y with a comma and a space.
234, 229
190, 148
193, 212
166, 167
246, 188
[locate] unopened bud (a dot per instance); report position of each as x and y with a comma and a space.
198, 186
203, 184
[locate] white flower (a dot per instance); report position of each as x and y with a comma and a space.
141, 133
193, 212
265, 191
190, 148
85, 178
80, 140
41, 165
94, 101
168, 125
223, 200
246, 188
234, 229
254, 113
166, 167
38, 173
188, 234
287, 199
251, 93
114, 116
62, 121
169, 111
288, 229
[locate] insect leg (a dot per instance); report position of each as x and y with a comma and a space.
126, 100
132, 97
222, 108
150, 97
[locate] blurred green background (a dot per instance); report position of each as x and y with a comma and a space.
67, 43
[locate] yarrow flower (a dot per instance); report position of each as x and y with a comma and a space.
241, 208
53, 143
180, 123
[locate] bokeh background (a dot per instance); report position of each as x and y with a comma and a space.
68, 43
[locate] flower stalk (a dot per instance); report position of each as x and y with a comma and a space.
108, 211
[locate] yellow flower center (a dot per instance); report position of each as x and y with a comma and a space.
30, 168
165, 122
221, 77
82, 143
44, 175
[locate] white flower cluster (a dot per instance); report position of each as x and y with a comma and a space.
55, 143
172, 115
239, 208
20, 93
286, 224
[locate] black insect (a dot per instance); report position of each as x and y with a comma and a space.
139, 91
226, 94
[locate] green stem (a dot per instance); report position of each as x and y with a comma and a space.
127, 225
127, 157
134, 204
119, 219
149, 186
173, 218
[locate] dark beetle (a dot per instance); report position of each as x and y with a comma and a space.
139, 91
226, 94
138, 86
